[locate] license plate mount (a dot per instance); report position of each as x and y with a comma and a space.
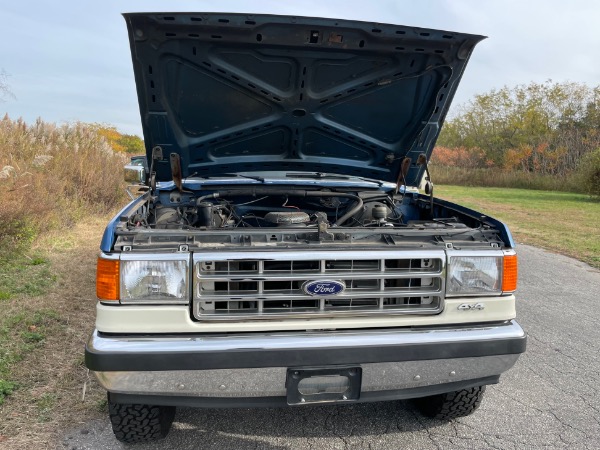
306, 385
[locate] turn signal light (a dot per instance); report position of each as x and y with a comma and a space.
107, 279
509, 273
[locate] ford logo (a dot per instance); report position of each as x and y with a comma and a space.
324, 287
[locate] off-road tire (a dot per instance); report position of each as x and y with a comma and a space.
451, 405
140, 423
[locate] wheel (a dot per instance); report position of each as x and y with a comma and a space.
451, 404
140, 423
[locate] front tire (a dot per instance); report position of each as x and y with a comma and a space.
133, 423
451, 405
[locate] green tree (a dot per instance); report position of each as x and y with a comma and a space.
539, 127
132, 144
120, 142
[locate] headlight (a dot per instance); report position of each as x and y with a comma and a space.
474, 275
154, 280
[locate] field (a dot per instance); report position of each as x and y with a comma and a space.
563, 222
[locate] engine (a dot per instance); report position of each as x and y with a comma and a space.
267, 208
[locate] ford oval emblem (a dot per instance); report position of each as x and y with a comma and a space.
324, 287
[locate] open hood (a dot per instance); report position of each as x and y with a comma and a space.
236, 93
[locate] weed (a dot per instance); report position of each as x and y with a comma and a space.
488, 177
21, 332
102, 405
79, 360
590, 173
6, 388
45, 404
32, 336
26, 276
66, 171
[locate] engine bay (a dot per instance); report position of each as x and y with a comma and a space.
268, 208
291, 215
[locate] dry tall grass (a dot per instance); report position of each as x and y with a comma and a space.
493, 177
50, 175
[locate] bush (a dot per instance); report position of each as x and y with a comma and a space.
50, 175
495, 177
589, 171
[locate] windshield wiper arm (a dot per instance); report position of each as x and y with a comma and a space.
250, 177
316, 175
322, 175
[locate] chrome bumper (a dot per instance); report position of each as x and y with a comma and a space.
403, 361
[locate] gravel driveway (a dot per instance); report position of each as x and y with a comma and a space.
550, 399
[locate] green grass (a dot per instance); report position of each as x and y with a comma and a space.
20, 274
21, 332
22, 328
45, 405
6, 388
565, 222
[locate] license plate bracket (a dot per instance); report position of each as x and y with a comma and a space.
306, 385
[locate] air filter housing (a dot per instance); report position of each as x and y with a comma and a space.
287, 218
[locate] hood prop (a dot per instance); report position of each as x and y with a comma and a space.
157, 155
402, 175
422, 161
176, 172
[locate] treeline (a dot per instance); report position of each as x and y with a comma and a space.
120, 142
51, 175
540, 135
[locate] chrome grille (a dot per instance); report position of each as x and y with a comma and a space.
264, 285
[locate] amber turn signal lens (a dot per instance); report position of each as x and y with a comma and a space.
107, 279
510, 273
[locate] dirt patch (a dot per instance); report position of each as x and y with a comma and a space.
51, 378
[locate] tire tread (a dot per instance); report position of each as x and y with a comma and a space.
451, 405
133, 423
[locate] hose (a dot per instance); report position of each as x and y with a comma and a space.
292, 193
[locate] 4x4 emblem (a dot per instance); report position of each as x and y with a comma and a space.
324, 287
471, 306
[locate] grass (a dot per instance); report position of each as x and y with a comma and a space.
58, 182
493, 177
21, 332
564, 222
23, 274
51, 176
45, 319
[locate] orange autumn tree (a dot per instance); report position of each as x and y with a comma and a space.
120, 142
468, 158
543, 128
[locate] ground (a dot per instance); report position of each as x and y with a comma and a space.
55, 390
548, 400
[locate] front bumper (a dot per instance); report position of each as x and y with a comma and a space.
250, 369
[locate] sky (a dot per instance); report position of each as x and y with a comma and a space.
69, 60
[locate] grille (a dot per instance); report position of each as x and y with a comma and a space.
264, 285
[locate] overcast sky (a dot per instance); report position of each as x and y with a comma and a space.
70, 60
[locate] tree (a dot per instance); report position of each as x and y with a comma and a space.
120, 142
132, 144
111, 135
539, 127
5, 91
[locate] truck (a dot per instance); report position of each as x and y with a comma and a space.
278, 250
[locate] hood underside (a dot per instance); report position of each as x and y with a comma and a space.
234, 93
